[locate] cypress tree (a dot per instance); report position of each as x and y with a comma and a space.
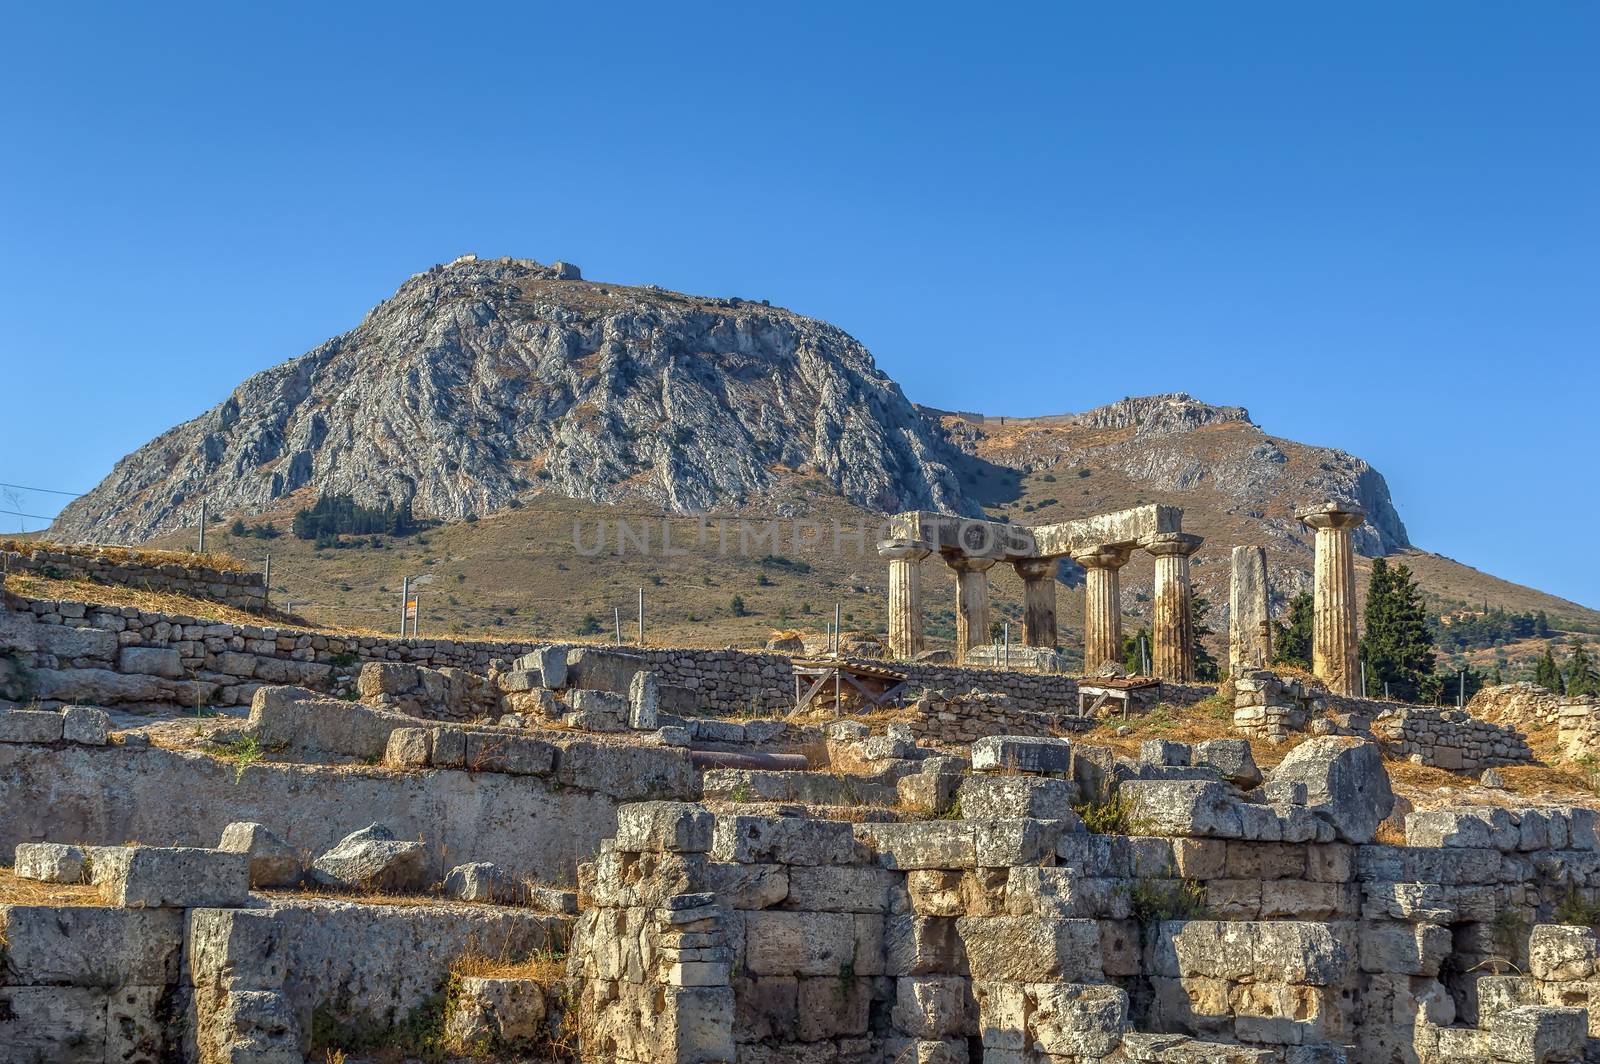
1396, 644
1206, 668
1291, 642
1547, 673
1582, 679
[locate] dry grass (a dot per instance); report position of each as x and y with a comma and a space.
130, 555
17, 891
546, 968
41, 587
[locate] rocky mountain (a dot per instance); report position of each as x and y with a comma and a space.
483, 383
1175, 448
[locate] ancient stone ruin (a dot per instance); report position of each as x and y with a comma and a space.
377, 849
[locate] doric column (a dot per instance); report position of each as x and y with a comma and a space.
905, 595
1172, 625
972, 601
1102, 604
1249, 616
1038, 601
1334, 650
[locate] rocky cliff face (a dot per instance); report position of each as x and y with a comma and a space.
1211, 459
483, 382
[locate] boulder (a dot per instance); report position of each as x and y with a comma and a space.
483, 881
373, 859
1345, 781
495, 1012
1232, 760
86, 725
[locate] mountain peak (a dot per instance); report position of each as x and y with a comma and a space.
1160, 415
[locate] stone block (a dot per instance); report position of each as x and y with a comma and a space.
151, 877
486, 1011
1165, 752
1346, 783
1232, 760
797, 943
86, 725
1021, 753
1193, 808
1537, 1034
840, 888
749, 886
995, 797
920, 945
671, 827
30, 726
1558, 953
932, 1006
516, 755
1008, 843
50, 862
92, 946
644, 701
484, 881
596, 669
151, 661
1031, 949
933, 793
783, 840
449, 748
549, 662
930, 844
409, 748
273, 863
1077, 1021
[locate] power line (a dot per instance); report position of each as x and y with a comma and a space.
18, 513
47, 491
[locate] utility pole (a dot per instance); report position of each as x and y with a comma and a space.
837, 638
616, 619
1005, 653
641, 616
416, 614
202, 526
266, 581
405, 603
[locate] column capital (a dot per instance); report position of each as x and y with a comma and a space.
962, 563
1180, 544
1035, 568
909, 550
1105, 557
1331, 515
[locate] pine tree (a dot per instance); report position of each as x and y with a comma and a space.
1206, 668
1133, 652
1541, 625
1291, 643
1396, 645
1582, 679
1548, 674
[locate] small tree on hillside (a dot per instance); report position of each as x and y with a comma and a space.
1547, 673
1582, 679
1291, 642
1205, 666
1396, 645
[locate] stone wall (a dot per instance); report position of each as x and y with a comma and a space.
232, 587
1450, 739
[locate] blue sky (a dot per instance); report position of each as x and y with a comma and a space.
1375, 225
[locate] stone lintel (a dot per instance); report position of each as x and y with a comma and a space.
1129, 528
1331, 514
972, 536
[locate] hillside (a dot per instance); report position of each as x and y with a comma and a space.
507, 400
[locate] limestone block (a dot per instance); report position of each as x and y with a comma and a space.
1165, 752
1481, 827
409, 748
832, 1007
993, 797
151, 661
888, 748
920, 945
373, 859
52, 1023
1232, 760
1031, 949
1558, 953
1345, 782
626, 772
674, 827
1196, 808
930, 844
549, 662
483, 881
517, 755
86, 725
1007, 843
273, 863
30, 726
1075, 1020
1021, 753
1289, 952
644, 701
840, 888
302, 720
928, 792
1404, 949
593, 668
250, 1025
495, 1012
796, 943
1537, 1034
152, 877
92, 945
448, 747
784, 840
386, 678
1181, 1049
749, 886
49, 862
550, 899
519, 681
932, 1006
